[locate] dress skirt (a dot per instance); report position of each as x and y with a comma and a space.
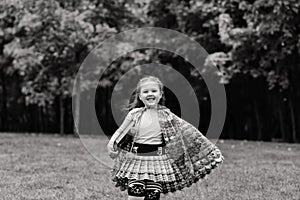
159, 168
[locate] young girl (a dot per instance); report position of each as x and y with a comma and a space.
167, 153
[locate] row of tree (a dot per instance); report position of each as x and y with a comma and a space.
254, 43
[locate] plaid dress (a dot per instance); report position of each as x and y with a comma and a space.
189, 156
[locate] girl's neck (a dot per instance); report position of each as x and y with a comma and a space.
152, 108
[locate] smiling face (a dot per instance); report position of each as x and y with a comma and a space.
150, 94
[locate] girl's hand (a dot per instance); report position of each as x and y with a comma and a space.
111, 149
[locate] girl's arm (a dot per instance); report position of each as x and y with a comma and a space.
124, 124
111, 144
122, 127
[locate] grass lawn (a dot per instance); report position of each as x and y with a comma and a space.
55, 167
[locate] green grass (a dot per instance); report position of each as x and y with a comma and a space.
54, 167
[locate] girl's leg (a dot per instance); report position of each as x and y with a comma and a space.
153, 190
136, 190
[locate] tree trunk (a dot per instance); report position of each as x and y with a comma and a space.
35, 119
258, 123
292, 94
24, 122
281, 121
77, 107
40, 120
62, 114
46, 117
293, 120
4, 106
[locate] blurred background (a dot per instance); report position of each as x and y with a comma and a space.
254, 43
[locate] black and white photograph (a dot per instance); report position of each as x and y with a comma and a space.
149, 99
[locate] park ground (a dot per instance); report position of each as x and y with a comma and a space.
34, 166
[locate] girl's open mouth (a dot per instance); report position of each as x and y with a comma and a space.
150, 99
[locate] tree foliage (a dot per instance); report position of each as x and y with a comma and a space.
254, 43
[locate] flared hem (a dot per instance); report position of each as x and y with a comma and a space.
183, 177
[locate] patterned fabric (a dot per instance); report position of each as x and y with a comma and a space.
153, 186
136, 188
156, 168
189, 157
144, 188
152, 195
